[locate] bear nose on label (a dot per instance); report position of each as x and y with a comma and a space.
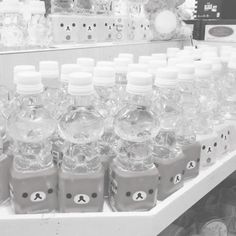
37, 196
191, 165
81, 199
209, 149
139, 196
177, 179
67, 28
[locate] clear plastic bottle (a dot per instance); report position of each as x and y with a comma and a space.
136, 7
37, 27
104, 84
102, 7
86, 63
66, 70
185, 132
121, 69
62, 6
81, 176
154, 65
52, 99
33, 176
84, 7
169, 159
137, 68
6, 150
120, 8
133, 176
13, 28
207, 97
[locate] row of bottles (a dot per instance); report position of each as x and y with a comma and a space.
99, 7
24, 24
130, 132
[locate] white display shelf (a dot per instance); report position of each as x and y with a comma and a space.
110, 223
69, 54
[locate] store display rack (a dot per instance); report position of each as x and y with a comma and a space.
69, 54
109, 223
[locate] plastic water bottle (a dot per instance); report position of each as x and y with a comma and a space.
37, 28
62, 6
166, 101
207, 97
168, 159
104, 84
103, 7
136, 7
13, 28
121, 69
5, 148
87, 64
66, 70
33, 176
133, 176
185, 132
21, 68
81, 177
154, 65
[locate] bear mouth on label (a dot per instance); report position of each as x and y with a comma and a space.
68, 37
90, 36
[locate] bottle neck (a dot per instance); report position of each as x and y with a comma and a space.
82, 101
139, 100
30, 100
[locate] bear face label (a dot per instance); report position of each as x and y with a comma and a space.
139, 196
37, 197
191, 165
81, 199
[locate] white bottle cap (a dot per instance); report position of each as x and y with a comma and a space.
10, 6
144, 59
49, 69
29, 82
166, 77
22, 68
172, 52
173, 61
186, 72
86, 62
216, 63
106, 63
67, 69
37, 7
232, 63
203, 69
186, 59
121, 64
126, 55
137, 68
139, 83
81, 84
159, 56
104, 76
154, 65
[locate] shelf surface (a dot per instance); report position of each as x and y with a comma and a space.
109, 223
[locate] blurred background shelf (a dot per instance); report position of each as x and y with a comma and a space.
110, 223
68, 54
